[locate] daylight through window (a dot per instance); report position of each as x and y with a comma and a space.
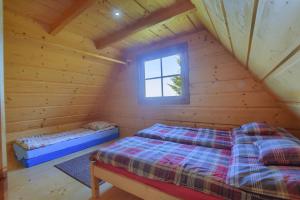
164, 75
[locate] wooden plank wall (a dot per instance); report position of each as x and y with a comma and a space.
3, 155
265, 37
49, 88
224, 94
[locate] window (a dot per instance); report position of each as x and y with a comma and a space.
163, 76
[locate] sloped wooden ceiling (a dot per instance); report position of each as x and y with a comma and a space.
265, 36
98, 21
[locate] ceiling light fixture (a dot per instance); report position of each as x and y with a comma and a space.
116, 13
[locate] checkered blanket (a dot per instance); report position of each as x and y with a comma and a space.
196, 167
185, 135
241, 137
279, 152
258, 128
247, 173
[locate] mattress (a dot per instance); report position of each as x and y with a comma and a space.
37, 141
199, 168
196, 136
49, 152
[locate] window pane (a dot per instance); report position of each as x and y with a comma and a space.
153, 88
171, 65
152, 68
172, 86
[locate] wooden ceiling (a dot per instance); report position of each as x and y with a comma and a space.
94, 19
264, 35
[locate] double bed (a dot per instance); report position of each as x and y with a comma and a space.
164, 162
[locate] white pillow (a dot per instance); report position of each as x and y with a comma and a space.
99, 125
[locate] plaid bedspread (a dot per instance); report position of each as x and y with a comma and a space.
247, 173
196, 167
185, 135
240, 137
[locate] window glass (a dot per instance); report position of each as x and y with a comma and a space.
153, 88
172, 86
152, 68
171, 65
164, 76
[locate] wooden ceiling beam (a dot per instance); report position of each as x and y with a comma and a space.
69, 14
156, 17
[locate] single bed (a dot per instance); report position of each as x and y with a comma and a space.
147, 167
220, 139
34, 150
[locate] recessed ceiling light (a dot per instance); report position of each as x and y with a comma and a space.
116, 13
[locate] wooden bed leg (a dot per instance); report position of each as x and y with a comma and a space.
94, 183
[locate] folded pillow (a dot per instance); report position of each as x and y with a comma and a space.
279, 151
257, 128
99, 125
246, 136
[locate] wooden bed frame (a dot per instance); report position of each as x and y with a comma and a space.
129, 185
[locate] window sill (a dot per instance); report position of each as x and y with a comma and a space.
164, 101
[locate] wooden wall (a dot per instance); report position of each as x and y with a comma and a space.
224, 94
3, 157
265, 36
49, 87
